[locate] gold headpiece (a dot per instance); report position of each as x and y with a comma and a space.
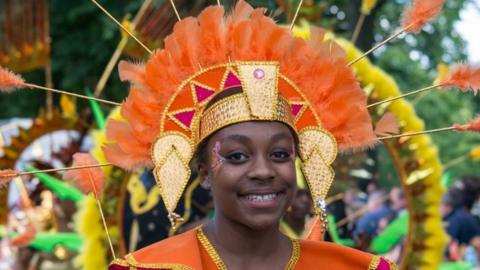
269, 76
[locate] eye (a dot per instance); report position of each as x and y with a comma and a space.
237, 157
280, 155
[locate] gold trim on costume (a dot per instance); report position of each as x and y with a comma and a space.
172, 266
221, 265
376, 262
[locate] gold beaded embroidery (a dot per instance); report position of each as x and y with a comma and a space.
374, 263
172, 266
235, 109
221, 265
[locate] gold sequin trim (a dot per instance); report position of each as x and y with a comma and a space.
172, 266
221, 265
374, 263
234, 109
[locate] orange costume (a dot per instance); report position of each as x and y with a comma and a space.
191, 250
218, 70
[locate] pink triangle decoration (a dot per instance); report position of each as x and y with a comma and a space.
296, 108
202, 93
185, 117
231, 81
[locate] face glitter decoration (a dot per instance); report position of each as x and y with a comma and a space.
217, 158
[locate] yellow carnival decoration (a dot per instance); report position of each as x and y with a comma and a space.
367, 6
420, 169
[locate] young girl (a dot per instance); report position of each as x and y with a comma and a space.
242, 99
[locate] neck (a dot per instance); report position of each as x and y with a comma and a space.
297, 224
239, 239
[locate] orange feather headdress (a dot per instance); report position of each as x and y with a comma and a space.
206, 55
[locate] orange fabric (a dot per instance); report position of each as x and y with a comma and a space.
186, 250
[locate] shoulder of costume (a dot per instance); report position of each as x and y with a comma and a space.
179, 252
346, 257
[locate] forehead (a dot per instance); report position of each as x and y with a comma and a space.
255, 130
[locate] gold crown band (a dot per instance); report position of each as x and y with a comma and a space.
236, 109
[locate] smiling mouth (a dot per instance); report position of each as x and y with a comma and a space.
263, 197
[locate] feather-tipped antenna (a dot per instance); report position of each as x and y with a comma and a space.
10, 81
121, 26
175, 10
9, 174
464, 77
472, 126
296, 14
6, 176
387, 125
91, 180
415, 17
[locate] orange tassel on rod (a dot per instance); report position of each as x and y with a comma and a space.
415, 17
6, 176
10, 81
90, 180
464, 77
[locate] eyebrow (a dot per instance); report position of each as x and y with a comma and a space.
246, 140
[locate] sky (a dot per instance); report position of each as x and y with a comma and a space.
468, 29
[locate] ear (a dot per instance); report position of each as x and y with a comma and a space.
205, 181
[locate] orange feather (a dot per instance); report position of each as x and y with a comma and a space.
6, 176
132, 72
473, 126
464, 77
89, 180
420, 12
387, 125
9, 81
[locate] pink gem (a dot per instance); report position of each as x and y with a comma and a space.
231, 81
259, 73
185, 117
203, 93
296, 108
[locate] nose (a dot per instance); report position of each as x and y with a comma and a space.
261, 169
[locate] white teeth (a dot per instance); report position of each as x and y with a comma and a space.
265, 197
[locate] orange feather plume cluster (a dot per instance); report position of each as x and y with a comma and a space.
421, 11
464, 77
6, 176
387, 125
9, 81
473, 126
316, 66
89, 180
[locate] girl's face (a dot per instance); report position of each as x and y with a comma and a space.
250, 169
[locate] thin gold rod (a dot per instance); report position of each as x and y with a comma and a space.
455, 161
175, 10
218, 3
296, 14
380, 45
49, 83
405, 95
417, 133
110, 66
358, 28
72, 94
118, 51
105, 227
121, 26
57, 170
